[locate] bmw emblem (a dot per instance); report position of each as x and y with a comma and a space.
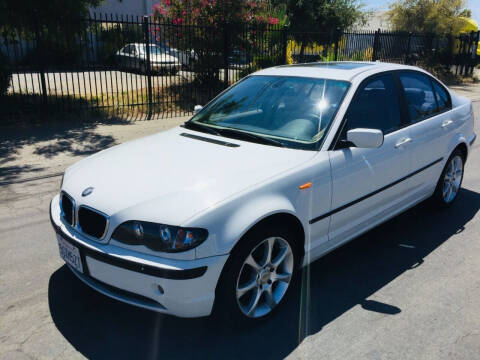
87, 191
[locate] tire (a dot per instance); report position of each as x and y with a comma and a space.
173, 71
450, 181
271, 287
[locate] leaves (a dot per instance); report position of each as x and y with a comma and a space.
429, 16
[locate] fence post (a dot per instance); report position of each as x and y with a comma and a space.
41, 62
226, 39
375, 45
284, 44
472, 61
146, 38
337, 40
407, 53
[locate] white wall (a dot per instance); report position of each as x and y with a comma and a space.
125, 7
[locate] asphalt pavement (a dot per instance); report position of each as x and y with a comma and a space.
409, 289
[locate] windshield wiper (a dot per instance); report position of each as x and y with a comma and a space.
200, 127
237, 134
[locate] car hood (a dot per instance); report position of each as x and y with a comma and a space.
169, 177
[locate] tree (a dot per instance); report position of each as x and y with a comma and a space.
319, 20
53, 25
50, 14
218, 24
428, 16
214, 12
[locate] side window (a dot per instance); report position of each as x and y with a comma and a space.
375, 106
443, 98
419, 95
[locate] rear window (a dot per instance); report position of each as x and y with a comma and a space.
421, 101
443, 98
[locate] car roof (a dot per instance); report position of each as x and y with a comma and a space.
338, 70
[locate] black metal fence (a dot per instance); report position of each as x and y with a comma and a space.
140, 67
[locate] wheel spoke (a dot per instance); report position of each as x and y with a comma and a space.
454, 187
253, 263
456, 164
254, 302
450, 169
242, 290
269, 298
280, 257
446, 188
269, 244
450, 189
282, 277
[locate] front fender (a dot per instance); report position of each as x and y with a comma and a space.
230, 222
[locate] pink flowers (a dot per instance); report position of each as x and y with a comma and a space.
214, 11
157, 8
272, 20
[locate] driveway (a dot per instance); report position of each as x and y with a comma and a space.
409, 289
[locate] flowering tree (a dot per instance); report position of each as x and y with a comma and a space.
214, 12
219, 29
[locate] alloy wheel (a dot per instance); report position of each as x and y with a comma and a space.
452, 179
264, 277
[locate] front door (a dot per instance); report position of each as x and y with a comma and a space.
367, 183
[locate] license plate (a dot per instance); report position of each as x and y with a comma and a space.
70, 254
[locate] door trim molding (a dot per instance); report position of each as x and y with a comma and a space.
343, 207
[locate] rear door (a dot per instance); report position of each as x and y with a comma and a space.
430, 112
367, 183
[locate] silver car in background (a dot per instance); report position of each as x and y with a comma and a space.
134, 56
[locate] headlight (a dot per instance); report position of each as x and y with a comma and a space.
159, 237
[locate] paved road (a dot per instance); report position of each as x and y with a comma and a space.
408, 290
95, 83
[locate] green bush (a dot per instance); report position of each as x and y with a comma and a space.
261, 62
5, 74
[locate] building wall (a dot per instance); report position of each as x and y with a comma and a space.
125, 7
377, 20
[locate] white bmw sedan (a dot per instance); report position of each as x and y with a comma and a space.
279, 169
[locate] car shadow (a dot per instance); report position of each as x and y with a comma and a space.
99, 327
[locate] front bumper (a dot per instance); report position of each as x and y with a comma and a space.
163, 66
184, 288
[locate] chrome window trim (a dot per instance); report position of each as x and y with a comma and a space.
79, 229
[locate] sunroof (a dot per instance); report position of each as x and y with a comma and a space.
336, 65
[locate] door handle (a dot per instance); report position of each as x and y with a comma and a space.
403, 141
446, 123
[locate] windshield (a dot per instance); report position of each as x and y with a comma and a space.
154, 50
293, 110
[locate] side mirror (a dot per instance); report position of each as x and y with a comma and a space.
365, 138
197, 108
